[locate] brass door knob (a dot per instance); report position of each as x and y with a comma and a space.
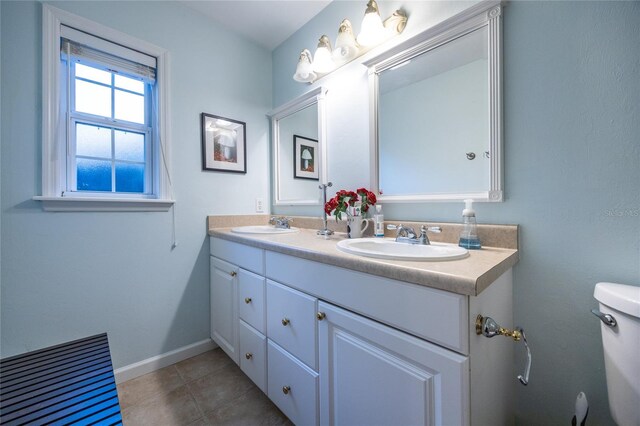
247, 300
285, 321
321, 316
248, 355
233, 273
286, 390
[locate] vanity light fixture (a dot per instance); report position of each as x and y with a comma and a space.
322, 62
346, 46
374, 32
304, 71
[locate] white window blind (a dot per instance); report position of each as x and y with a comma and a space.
90, 50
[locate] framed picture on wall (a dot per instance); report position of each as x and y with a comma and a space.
224, 144
305, 154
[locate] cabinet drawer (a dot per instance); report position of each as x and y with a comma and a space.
251, 299
253, 354
246, 257
291, 322
287, 374
416, 309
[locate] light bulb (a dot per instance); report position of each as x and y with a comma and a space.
372, 31
322, 62
346, 46
304, 71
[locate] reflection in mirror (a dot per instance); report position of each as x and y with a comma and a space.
298, 150
437, 114
297, 154
432, 110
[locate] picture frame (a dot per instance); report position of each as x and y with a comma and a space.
224, 144
305, 155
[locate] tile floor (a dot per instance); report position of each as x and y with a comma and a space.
208, 389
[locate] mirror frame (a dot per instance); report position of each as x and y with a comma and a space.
483, 14
316, 96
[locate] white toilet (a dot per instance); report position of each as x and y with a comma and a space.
620, 326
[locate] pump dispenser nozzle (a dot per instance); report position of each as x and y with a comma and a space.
468, 208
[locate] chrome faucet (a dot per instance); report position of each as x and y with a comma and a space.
325, 229
406, 234
281, 222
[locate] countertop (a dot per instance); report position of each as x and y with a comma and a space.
468, 276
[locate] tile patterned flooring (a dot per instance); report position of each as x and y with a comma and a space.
208, 389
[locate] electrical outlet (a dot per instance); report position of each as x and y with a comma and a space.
259, 205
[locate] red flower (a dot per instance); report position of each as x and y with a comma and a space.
371, 197
343, 199
331, 205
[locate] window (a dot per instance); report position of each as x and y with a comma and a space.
104, 122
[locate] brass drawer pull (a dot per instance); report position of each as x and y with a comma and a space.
233, 273
247, 300
248, 355
321, 316
286, 390
285, 321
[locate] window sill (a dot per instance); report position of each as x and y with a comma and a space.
69, 204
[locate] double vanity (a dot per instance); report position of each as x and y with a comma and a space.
339, 338
370, 331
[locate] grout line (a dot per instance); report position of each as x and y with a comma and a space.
184, 381
195, 401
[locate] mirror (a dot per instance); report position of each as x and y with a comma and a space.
436, 113
297, 138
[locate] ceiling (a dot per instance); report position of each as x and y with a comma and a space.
266, 22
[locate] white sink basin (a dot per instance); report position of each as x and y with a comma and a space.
386, 248
262, 229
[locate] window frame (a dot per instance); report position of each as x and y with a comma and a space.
54, 141
76, 117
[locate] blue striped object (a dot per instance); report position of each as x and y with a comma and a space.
67, 384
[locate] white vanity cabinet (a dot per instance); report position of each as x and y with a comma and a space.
344, 347
238, 315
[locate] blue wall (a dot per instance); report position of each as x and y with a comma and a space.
69, 275
572, 156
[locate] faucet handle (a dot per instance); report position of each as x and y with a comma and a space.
281, 221
434, 229
408, 231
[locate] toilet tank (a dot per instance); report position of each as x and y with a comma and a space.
621, 345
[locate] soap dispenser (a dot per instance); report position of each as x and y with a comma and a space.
469, 235
378, 221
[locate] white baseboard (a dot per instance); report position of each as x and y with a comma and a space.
157, 362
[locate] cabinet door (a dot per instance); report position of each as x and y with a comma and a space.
224, 316
371, 374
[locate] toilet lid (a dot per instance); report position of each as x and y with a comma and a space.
621, 297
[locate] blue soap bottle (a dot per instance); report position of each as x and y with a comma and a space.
469, 235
